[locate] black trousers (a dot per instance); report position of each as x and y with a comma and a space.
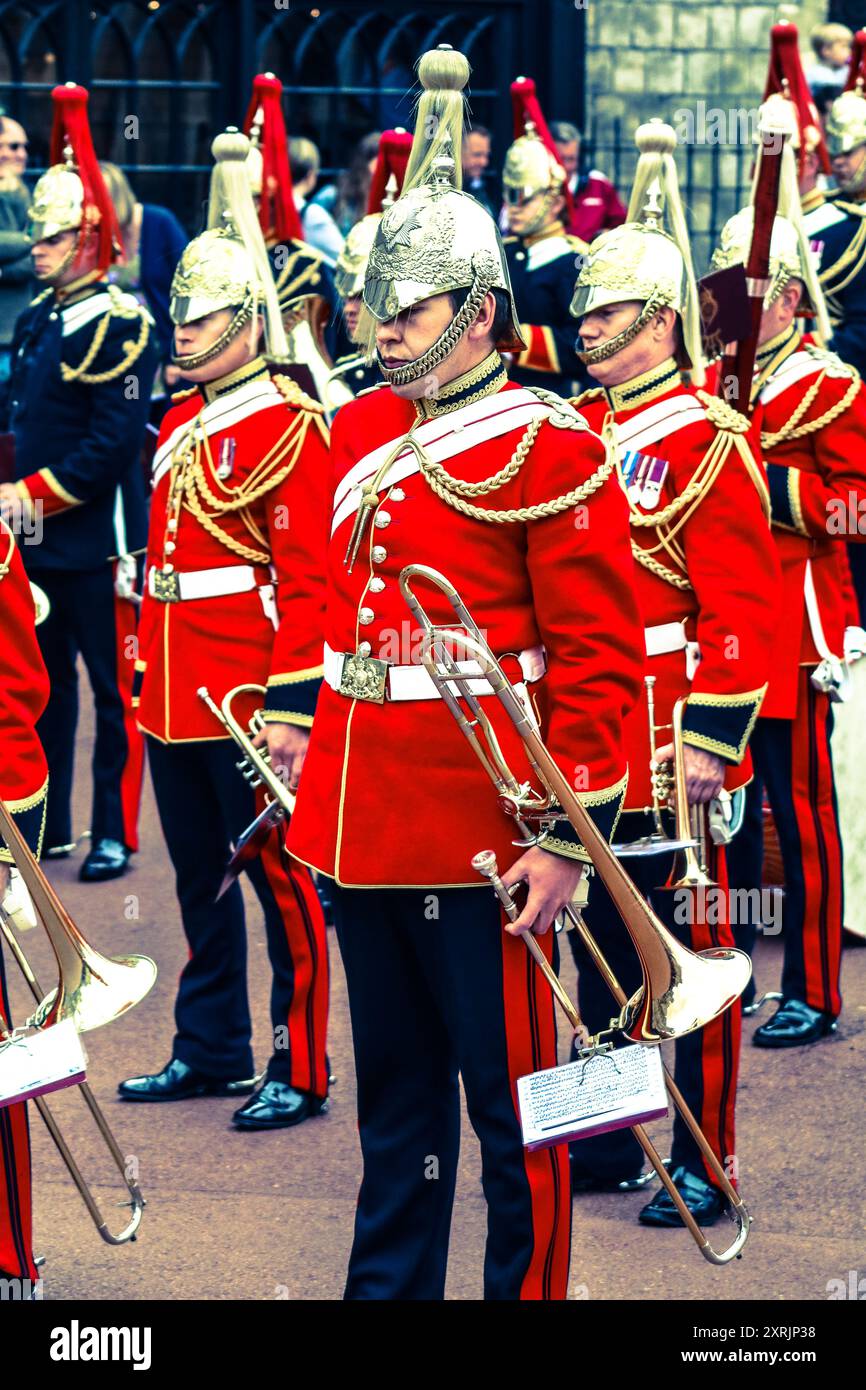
706, 1063
204, 803
437, 989
87, 617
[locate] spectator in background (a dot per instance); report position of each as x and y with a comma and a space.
596, 205
318, 226
346, 200
831, 44
153, 242
16, 266
475, 159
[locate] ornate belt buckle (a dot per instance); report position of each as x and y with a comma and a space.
364, 678
166, 586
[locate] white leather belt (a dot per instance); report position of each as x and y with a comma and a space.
671, 637
172, 587
365, 678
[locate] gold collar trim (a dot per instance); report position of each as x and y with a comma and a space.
658, 381
250, 371
485, 379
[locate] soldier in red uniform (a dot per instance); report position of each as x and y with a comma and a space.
813, 409
234, 595
707, 585
23, 787
514, 499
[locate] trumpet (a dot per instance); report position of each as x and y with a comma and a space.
255, 766
681, 990
92, 990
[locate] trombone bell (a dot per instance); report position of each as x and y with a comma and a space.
95, 989
685, 990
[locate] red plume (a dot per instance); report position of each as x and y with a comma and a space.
394, 148
71, 129
856, 65
525, 106
785, 74
277, 212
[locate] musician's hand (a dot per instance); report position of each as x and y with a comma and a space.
705, 772
4, 879
287, 745
552, 881
9, 500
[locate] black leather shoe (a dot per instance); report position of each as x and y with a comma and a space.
704, 1201
107, 859
794, 1024
177, 1081
277, 1106
584, 1180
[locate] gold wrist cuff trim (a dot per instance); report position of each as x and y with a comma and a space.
286, 716
58, 489
28, 802
565, 849
795, 502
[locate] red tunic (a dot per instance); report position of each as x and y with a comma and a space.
228, 640
23, 697
725, 562
391, 795
818, 494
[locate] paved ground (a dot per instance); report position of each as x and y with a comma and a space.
270, 1216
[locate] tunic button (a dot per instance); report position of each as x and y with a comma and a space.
377, 585
383, 519
379, 554
366, 616
397, 495
169, 547
172, 523
52, 317
364, 649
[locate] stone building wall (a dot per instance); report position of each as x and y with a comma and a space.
697, 65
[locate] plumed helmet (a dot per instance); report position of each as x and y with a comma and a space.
71, 195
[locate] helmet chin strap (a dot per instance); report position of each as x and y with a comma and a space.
444, 345
612, 346
194, 360
53, 275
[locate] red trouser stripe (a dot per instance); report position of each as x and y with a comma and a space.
125, 630
306, 939
16, 1254
818, 827
530, 1028
719, 1040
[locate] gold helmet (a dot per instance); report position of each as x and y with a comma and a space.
351, 267
436, 238
791, 256
531, 163
845, 125
643, 261
227, 267
71, 195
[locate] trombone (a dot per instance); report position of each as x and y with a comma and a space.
682, 990
92, 990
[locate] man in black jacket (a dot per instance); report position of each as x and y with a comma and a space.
83, 360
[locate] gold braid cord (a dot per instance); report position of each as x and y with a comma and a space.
132, 348
453, 490
272, 470
794, 430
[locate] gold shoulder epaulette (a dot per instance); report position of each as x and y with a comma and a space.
576, 243
855, 209
120, 306
185, 394
41, 296
563, 414
832, 362
291, 392
594, 393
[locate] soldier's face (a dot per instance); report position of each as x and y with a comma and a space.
190, 339
48, 256
568, 151
525, 214
600, 325
410, 334
848, 169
